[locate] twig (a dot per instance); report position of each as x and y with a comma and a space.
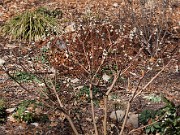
142, 127
105, 115
153, 78
135, 95
92, 108
116, 76
130, 64
128, 106
62, 108
91, 92
7, 72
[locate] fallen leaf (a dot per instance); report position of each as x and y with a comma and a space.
35, 124
10, 110
70, 28
11, 118
75, 80
105, 77
2, 62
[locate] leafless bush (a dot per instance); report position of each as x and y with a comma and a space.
151, 23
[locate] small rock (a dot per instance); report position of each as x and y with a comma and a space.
79, 87
120, 114
11, 118
117, 115
133, 119
61, 45
41, 84
89, 119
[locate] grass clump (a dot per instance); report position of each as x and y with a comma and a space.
32, 25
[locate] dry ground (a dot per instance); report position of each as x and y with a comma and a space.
168, 83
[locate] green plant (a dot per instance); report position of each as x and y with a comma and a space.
153, 98
43, 56
26, 112
153, 128
166, 119
146, 115
149, 116
25, 77
85, 91
2, 111
170, 123
57, 13
31, 25
22, 114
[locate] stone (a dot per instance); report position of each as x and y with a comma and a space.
133, 119
117, 115
120, 114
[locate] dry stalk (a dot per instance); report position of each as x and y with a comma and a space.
92, 79
87, 58
92, 108
153, 78
135, 95
7, 72
142, 127
128, 106
116, 76
63, 110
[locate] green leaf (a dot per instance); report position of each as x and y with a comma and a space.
156, 125
148, 130
152, 129
153, 98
